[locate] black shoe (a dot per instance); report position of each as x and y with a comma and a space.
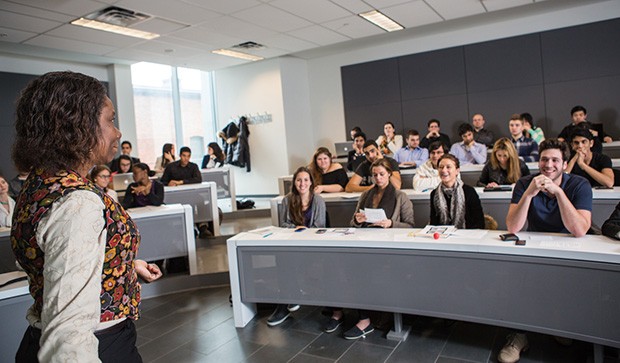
293, 307
332, 325
204, 232
278, 316
356, 333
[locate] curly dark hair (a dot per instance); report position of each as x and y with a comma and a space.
57, 121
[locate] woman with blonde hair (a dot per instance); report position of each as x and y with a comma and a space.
328, 177
504, 167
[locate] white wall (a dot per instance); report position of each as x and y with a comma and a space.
39, 66
324, 72
250, 89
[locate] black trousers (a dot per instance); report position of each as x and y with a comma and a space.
116, 344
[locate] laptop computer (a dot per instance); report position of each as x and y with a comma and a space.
343, 148
121, 181
500, 188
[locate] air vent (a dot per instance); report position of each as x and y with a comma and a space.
249, 45
118, 16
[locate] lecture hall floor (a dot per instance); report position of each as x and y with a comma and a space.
197, 326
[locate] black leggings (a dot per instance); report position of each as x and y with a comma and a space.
118, 345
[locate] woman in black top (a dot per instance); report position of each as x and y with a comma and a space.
143, 191
455, 203
214, 158
504, 167
328, 177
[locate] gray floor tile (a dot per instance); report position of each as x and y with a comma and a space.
234, 350
168, 342
214, 338
305, 358
181, 355
419, 348
362, 353
452, 360
328, 346
282, 350
469, 341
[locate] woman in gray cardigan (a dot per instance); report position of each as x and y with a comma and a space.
399, 212
301, 209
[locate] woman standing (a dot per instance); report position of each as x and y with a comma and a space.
399, 212
328, 177
389, 142
215, 157
453, 202
100, 175
504, 167
7, 204
167, 156
143, 191
301, 209
87, 295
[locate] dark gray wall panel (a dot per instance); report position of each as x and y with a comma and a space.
449, 110
432, 74
497, 106
600, 96
506, 63
372, 117
585, 51
371, 83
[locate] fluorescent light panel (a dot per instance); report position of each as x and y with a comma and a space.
381, 21
235, 54
94, 24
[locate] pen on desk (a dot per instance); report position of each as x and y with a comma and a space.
267, 235
427, 190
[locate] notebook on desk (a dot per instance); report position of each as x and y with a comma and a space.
501, 188
343, 148
121, 181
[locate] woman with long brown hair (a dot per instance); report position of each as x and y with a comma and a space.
329, 177
504, 166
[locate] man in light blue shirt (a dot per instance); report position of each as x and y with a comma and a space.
412, 155
469, 151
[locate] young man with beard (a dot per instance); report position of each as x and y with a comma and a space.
362, 179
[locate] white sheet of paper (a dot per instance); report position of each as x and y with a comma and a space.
374, 215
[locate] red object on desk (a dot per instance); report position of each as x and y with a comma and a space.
436, 235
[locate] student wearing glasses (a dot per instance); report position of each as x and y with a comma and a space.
100, 176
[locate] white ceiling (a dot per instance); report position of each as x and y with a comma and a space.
191, 29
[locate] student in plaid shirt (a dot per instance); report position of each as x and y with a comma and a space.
526, 147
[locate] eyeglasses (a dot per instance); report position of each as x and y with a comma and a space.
104, 176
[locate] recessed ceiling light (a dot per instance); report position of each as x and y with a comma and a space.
235, 54
381, 20
94, 24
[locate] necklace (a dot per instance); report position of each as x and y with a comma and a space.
4, 202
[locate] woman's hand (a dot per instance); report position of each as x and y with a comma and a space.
492, 185
318, 189
360, 217
148, 272
141, 190
168, 156
386, 223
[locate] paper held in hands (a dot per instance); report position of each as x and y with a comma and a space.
374, 215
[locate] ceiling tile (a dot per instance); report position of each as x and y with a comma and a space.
14, 36
236, 28
70, 45
377, 4
75, 8
35, 12
319, 35
95, 36
493, 5
201, 35
354, 6
174, 10
272, 18
224, 7
283, 41
317, 11
201, 46
453, 9
412, 14
159, 26
26, 23
167, 49
354, 27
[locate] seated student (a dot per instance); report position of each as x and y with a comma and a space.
399, 212
301, 208
389, 143
100, 176
15, 184
531, 130
412, 155
579, 115
591, 165
125, 150
469, 151
453, 202
167, 156
123, 166
550, 201
356, 156
426, 177
215, 157
182, 171
611, 227
527, 149
362, 179
482, 135
355, 130
328, 177
143, 191
7, 204
434, 135
504, 168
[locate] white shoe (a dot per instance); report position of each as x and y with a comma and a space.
511, 352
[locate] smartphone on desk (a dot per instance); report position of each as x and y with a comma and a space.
321, 231
509, 237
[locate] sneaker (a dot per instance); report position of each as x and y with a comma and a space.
332, 325
356, 333
567, 342
293, 307
511, 352
278, 316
